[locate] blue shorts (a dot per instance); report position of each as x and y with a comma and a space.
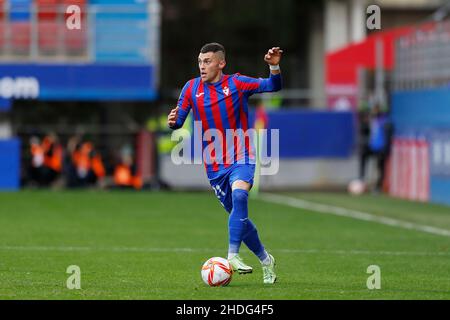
221, 181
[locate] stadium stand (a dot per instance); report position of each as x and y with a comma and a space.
75, 41
36, 30
2, 26
48, 26
20, 28
110, 34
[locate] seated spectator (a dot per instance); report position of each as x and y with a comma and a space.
125, 172
86, 165
53, 155
46, 160
37, 161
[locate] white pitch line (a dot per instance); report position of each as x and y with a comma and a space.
203, 250
108, 249
365, 252
343, 212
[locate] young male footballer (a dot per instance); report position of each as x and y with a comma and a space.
220, 103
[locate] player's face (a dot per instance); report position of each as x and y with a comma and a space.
210, 65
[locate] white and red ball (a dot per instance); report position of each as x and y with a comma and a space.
356, 187
216, 272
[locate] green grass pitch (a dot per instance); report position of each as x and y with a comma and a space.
143, 245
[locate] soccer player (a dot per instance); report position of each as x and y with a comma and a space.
220, 103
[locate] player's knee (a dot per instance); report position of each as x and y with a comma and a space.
240, 195
240, 184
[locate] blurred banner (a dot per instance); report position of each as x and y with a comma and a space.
77, 82
9, 164
312, 134
308, 134
5, 104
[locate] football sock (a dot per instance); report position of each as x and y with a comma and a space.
266, 261
238, 220
231, 255
251, 239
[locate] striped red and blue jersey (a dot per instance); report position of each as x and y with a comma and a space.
221, 106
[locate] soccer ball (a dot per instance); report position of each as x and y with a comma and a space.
216, 272
356, 187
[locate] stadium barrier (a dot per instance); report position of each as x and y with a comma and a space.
409, 173
9, 164
420, 163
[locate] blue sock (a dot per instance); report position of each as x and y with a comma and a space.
251, 240
238, 219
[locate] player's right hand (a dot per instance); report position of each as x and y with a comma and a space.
172, 117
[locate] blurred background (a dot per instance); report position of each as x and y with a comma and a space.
361, 110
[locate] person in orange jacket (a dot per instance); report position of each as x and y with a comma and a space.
46, 159
125, 173
86, 164
37, 160
53, 156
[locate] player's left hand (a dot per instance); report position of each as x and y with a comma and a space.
273, 56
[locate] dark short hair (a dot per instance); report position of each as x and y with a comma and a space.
213, 47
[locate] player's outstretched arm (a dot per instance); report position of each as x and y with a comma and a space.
271, 84
273, 58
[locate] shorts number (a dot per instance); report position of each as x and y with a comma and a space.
218, 191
